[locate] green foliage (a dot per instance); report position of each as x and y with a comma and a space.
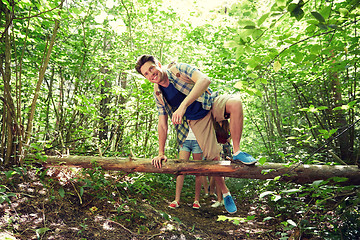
5, 195
293, 63
306, 207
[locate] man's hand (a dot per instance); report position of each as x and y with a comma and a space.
178, 115
156, 161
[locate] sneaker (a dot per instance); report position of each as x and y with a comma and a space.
218, 204
245, 158
229, 204
196, 205
174, 205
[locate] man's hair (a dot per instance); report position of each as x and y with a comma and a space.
142, 60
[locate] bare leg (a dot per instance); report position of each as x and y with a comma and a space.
179, 186
235, 109
197, 188
180, 179
212, 185
219, 194
197, 156
205, 184
220, 184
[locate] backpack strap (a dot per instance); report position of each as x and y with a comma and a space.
176, 73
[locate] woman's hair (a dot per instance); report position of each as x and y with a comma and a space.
142, 60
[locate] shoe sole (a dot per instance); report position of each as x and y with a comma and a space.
239, 161
231, 212
217, 206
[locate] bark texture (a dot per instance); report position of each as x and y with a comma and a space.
300, 173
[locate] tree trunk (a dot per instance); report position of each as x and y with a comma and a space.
9, 108
299, 174
39, 83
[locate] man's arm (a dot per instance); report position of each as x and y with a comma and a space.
202, 82
162, 131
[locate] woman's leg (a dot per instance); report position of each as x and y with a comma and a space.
212, 185
220, 185
180, 179
205, 183
219, 194
197, 156
179, 186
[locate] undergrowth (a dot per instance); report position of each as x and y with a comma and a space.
323, 209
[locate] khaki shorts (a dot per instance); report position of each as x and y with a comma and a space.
204, 128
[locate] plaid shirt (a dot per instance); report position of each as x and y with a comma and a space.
180, 76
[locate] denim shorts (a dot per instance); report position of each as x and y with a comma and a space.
191, 146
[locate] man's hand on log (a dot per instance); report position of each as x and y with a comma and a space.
156, 161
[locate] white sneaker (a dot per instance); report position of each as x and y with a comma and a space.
218, 204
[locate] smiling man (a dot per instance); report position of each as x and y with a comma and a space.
182, 92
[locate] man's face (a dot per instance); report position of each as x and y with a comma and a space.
152, 72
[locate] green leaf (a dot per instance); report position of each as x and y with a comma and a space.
253, 75
249, 27
249, 218
322, 108
267, 219
323, 26
318, 16
240, 50
222, 218
281, 3
298, 57
315, 49
248, 49
317, 183
256, 34
296, 11
339, 179
42, 230
61, 192
7, 4
275, 198
325, 12
343, 12
263, 18
165, 215
244, 23
291, 222
264, 194
239, 85
277, 178
294, 190
352, 103
262, 160
9, 173
231, 44
277, 66
177, 219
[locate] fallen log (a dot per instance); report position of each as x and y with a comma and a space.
302, 173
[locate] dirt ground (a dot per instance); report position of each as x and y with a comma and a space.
40, 209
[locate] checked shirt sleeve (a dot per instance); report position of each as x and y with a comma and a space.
159, 106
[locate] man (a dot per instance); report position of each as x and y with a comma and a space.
182, 93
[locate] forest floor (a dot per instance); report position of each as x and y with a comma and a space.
53, 206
